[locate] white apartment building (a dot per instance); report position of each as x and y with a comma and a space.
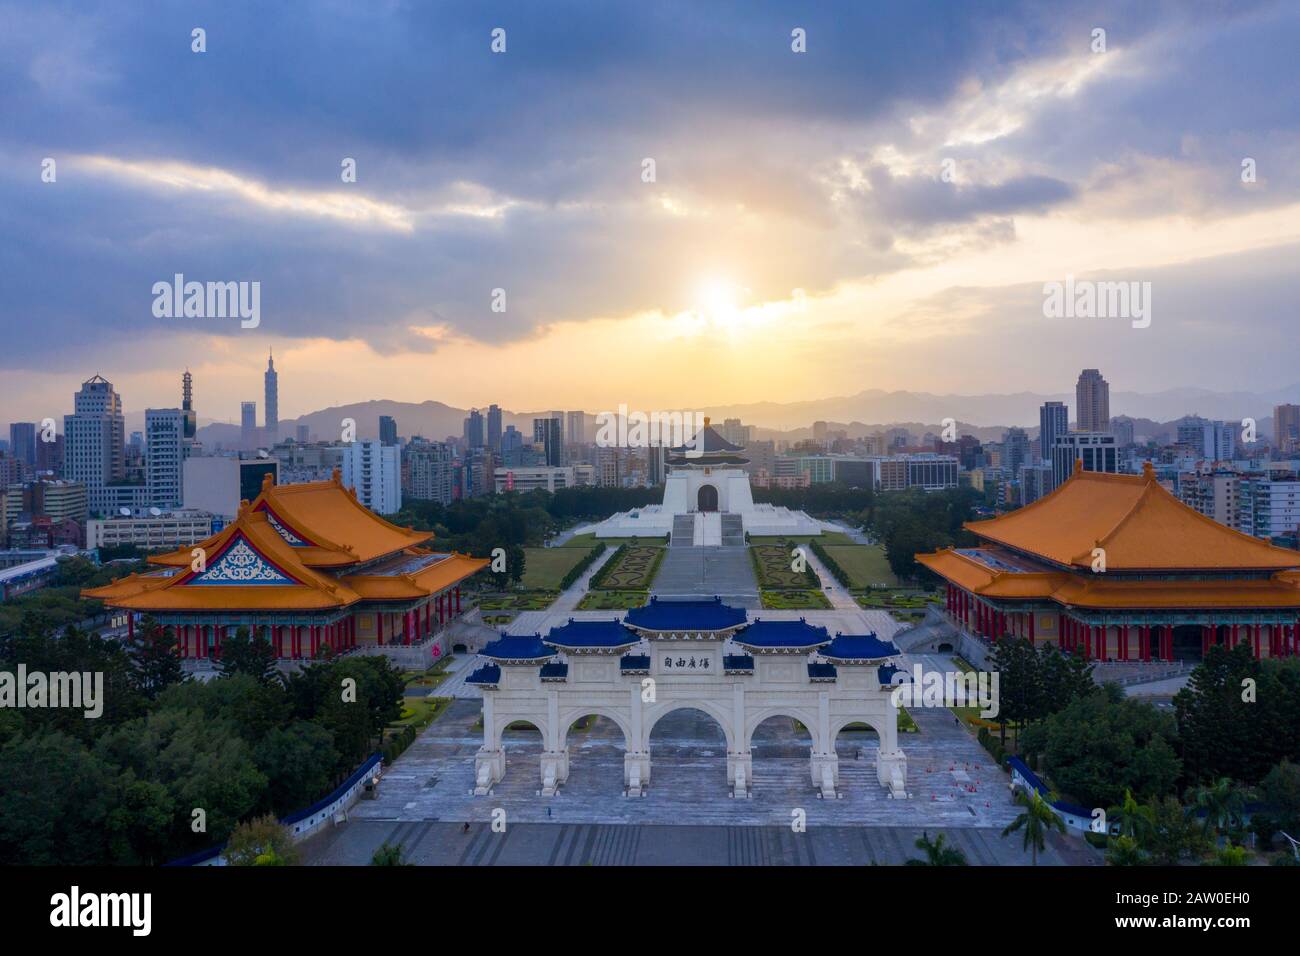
167, 531
375, 471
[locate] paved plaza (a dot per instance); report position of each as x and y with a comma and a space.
707, 571
687, 816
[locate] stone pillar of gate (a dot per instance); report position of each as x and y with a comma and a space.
824, 764
555, 755
490, 761
740, 760
636, 760
891, 765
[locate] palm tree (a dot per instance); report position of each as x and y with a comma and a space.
936, 854
1038, 816
1135, 820
1224, 803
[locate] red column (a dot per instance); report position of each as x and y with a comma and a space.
221, 636
1123, 643
1144, 638
458, 599
379, 628
1031, 627
1258, 628
406, 627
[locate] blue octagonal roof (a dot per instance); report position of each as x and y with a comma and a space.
799, 634
509, 647
592, 634
707, 614
858, 647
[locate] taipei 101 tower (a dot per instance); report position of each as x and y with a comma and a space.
272, 402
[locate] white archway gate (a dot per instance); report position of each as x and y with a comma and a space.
645, 675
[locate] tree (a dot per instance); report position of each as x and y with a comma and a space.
390, 854
1020, 697
1104, 743
297, 761
1280, 789
1173, 835
1035, 821
1135, 820
936, 853
1221, 806
248, 654
262, 841
155, 658
1124, 851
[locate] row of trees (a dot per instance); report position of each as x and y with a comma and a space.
173, 764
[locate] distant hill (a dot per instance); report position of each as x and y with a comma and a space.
868, 412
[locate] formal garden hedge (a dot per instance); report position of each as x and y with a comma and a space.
632, 568
579, 569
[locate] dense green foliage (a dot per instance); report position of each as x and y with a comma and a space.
60, 604
125, 788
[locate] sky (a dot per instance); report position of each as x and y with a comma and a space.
880, 210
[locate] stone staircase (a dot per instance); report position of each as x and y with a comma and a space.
733, 531
708, 529
683, 535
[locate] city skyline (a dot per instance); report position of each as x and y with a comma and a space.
797, 236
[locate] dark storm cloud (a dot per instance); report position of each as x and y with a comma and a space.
558, 126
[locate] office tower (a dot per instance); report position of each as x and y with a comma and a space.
819, 432
272, 401
1053, 421
576, 428
560, 416
387, 430
1286, 427
187, 406
1092, 397
302, 434
548, 432
248, 425
22, 443
1097, 451
734, 432
375, 471
494, 427
474, 434
1122, 428
429, 467
49, 455
1015, 446
164, 430
93, 447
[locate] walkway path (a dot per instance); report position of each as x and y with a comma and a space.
837, 593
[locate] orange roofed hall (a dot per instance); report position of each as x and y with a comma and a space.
306, 566
1118, 567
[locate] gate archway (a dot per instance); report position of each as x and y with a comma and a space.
707, 498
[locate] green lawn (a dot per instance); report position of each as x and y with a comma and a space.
612, 600
864, 564
633, 570
544, 568
589, 541
791, 600
832, 538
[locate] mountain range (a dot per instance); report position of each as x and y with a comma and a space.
870, 411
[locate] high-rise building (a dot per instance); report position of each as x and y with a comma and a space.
1121, 426
474, 434
1097, 451
549, 433
22, 443
272, 396
375, 471
736, 433
302, 434
93, 436
1092, 397
429, 467
387, 430
1015, 449
1053, 421
248, 425
1286, 427
576, 428
494, 427
164, 430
